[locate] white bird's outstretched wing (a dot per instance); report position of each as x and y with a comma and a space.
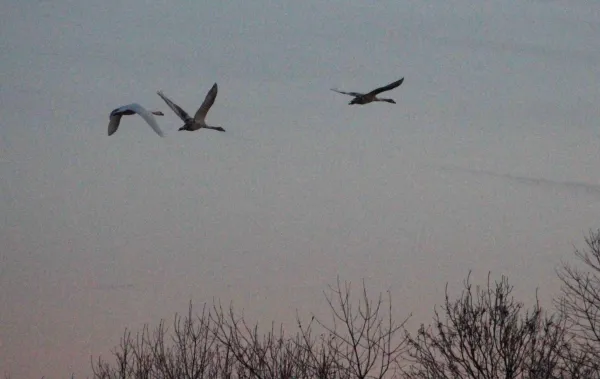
355, 94
176, 108
147, 116
113, 124
209, 100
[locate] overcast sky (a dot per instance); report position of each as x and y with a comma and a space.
488, 161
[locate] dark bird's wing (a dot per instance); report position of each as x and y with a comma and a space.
209, 100
113, 124
386, 88
176, 108
355, 94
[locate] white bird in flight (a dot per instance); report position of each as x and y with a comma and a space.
198, 122
129, 109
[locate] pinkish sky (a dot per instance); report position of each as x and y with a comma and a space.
489, 161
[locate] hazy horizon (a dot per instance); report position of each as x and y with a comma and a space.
488, 161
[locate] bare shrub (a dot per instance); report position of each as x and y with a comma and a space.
486, 334
580, 301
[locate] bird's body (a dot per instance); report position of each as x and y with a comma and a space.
134, 108
365, 98
198, 121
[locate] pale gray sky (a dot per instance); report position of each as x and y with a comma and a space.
489, 161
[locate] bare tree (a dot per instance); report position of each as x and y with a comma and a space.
191, 351
483, 334
577, 364
125, 366
580, 300
486, 334
362, 341
265, 356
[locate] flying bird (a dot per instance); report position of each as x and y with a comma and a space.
198, 122
129, 109
365, 98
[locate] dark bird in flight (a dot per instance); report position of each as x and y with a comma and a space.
198, 121
365, 98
